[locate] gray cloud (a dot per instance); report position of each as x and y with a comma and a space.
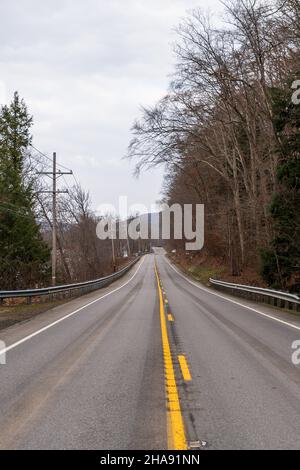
84, 68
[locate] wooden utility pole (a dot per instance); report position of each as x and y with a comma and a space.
113, 253
54, 222
54, 174
128, 247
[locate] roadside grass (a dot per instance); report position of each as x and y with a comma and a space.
9, 315
200, 272
204, 273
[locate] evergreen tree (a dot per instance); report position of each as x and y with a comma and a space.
281, 264
23, 254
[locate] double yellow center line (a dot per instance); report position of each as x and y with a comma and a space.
176, 432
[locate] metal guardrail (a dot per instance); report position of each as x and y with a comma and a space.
67, 290
270, 296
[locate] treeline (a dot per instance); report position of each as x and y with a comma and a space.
26, 216
228, 134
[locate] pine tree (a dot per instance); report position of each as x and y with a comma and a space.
23, 254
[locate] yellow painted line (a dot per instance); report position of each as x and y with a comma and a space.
170, 317
176, 432
184, 368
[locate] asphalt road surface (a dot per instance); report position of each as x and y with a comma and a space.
154, 361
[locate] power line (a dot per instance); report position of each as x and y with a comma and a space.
41, 153
48, 158
66, 182
36, 162
75, 179
58, 164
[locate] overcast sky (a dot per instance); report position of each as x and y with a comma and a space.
84, 69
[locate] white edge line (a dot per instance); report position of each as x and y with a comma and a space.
230, 300
45, 328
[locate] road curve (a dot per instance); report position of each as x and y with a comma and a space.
94, 373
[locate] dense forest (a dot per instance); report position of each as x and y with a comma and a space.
228, 135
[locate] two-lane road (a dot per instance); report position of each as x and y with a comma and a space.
91, 374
